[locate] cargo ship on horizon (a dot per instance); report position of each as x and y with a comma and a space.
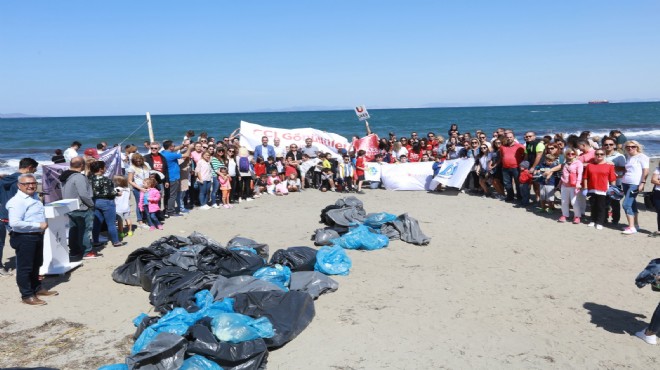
603, 101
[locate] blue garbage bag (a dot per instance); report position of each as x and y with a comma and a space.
237, 328
276, 274
198, 362
247, 249
114, 367
332, 261
376, 220
362, 237
179, 320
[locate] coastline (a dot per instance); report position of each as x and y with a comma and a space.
520, 291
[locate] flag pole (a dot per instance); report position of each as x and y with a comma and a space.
151, 130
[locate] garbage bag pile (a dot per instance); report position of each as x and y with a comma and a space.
349, 226
222, 307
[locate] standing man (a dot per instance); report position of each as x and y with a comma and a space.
264, 150
8, 188
72, 151
280, 151
171, 154
75, 185
619, 162
534, 149
511, 154
309, 149
28, 222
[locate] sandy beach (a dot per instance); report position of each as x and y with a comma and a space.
496, 287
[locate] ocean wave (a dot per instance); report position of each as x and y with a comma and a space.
644, 133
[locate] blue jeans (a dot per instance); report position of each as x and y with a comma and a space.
152, 218
105, 211
80, 233
630, 201
3, 235
509, 178
524, 193
204, 192
655, 197
136, 195
214, 190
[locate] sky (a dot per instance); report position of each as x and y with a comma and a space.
90, 58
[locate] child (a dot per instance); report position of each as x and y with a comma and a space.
525, 180
571, 185
280, 187
260, 167
270, 188
293, 183
547, 182
260, 185
122, 203
225, 186
149, 204
345, 172
326, 180
359, 169
271, 165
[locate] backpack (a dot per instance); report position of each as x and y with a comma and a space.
244, 164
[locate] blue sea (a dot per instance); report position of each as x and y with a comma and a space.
39, 137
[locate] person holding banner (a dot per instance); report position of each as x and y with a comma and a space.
359, 170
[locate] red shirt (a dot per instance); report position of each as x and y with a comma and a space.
359, 163
525, 177
158, 162
259, 169
599, 176
414, 157
288, 170
512, 155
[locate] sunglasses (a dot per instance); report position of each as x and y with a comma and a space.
631, 146
28, 183
156, 148
599, 154
608, 144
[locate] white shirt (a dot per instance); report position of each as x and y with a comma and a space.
635, 166
69, 154
122, 202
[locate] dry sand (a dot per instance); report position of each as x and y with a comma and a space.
497, 287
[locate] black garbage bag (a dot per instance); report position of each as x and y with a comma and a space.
295, 258
250, 355
199, 238
289, 312
165, 352
350, 201
130, 272
346, 216
313, 283
187, 258
175, 287
324, 236
229, 263
148, 272
239, 242
227, 287
408, 229
649, 274
324, 214
146, 322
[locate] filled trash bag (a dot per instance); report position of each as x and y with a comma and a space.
237, 242
198, 362
174, 287
350, 201
199, 238
114, 367
324, 214
187, 257
230, 262
362, 237
324, 236
313, 283
237, 328
250, 355
276, 274
332, 261
228, 287
295, 258
649, 274
289, 312
130, 272
165, 352
346, 216
407, 229
376, 220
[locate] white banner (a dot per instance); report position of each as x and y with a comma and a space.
453, 173
372, 171
361, 112
325, 141
407, 176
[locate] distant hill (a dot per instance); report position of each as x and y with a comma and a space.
16, 115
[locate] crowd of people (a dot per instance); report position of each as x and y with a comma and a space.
170, 179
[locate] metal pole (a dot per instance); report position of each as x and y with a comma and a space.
151, 130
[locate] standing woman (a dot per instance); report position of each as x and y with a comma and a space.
137, 172
633, 181
482, 169
598, 177
203, 172
104, 204
571, 184
655, 180
232, 170
495, 169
